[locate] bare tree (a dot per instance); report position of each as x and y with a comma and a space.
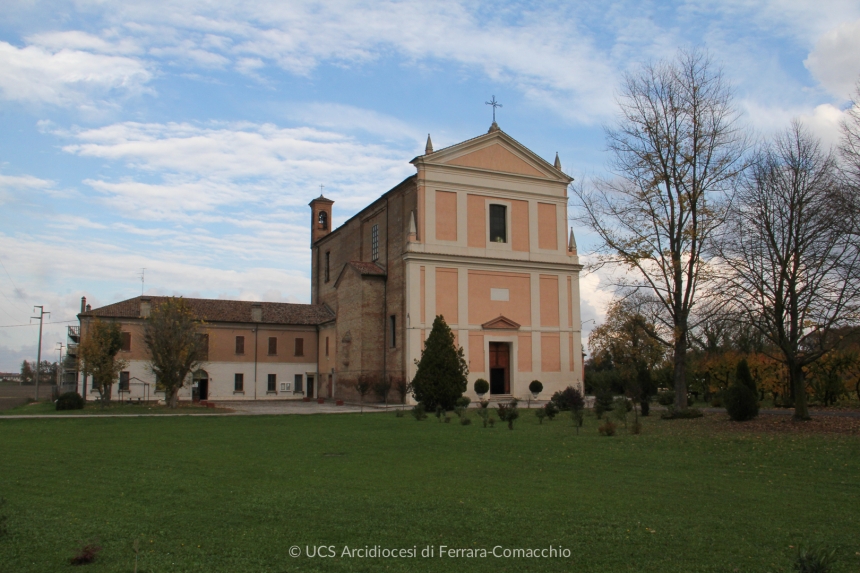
176, 347
849, 147
791, 253
677, 151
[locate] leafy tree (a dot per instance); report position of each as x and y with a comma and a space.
677, 151
791, 253
98, 350
27, 374
442, 370
176, 347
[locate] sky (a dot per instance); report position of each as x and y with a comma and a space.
186, 138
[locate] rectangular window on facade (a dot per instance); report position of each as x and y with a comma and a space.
273, 346
126, 342
240, 345
238, 383
124, 381
204, 341
300, 346
326, 345
374, 243
498, 224
273, 381
299, 379
327, 261
392, 321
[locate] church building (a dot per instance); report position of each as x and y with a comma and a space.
477, 235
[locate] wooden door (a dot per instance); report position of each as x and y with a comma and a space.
500, 370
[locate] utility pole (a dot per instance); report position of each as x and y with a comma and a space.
60, 368
41, 318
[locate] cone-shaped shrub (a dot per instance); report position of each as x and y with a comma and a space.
741, 403
442, 370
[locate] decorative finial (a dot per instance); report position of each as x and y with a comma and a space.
557, 163
321, 189
495, 104
571, 245
412, 227
428, 149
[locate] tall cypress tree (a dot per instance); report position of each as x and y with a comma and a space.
442, 370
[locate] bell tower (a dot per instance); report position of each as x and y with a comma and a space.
320, 218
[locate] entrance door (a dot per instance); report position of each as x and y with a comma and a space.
500, 371
310, 386
203, 388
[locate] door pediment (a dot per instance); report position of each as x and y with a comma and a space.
501, 323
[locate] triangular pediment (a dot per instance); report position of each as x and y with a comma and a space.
495, 151
501, 323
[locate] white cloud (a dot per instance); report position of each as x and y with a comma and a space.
66, 77
835, 60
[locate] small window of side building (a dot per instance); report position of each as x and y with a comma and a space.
238, 382
273, 381
126, 342
323, 220
300, 346
204, 341
392, 321
327, 261
124, 381
273, 346
299, 385
498, 224
374, 243
240, 345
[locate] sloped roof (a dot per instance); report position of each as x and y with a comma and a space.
367, 268
218, 310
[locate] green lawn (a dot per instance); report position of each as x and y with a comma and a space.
113, 408
233, 494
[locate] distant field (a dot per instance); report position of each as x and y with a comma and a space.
233, 494
94, 409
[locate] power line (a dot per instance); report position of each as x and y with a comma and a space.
35, 324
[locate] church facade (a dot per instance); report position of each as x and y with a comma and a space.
477, 235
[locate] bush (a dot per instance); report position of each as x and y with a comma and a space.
419, 412
70, 401
465, 421
551, 410
508, 412
541, 414
741, 403
607, 428
568, 398
814, 559
86, 554
535, 387
636, 427
399, 413
666, 398
484, 413
481, 386
492, 422
441, 375
447, 419
462, 405
672, 414
603, 401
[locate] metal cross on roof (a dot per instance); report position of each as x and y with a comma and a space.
495, 104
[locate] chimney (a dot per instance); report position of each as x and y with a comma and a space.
257, 312
89, 308
145, 306
320, 218
83, 303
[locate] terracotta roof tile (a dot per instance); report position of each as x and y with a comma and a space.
218, 310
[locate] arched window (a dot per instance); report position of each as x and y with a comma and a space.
323, 220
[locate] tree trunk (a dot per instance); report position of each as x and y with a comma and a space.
798, 385
173, 399
680, 372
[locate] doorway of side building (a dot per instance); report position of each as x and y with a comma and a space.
310, 393
500, 368
200, 386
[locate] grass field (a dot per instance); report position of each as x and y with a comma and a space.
233, 494
112, 408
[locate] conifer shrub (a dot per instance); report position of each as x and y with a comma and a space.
744, 376
70, 401
441, 375
465, 421
541, 414
567, 399
741, 402
419, 412
551, 410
